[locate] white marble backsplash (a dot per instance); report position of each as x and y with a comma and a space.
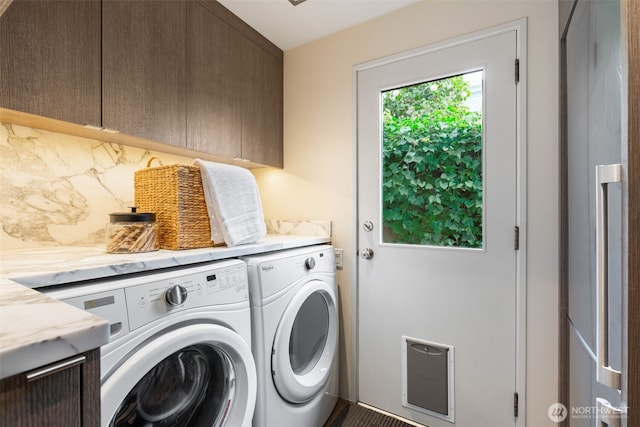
58, 190
299, 227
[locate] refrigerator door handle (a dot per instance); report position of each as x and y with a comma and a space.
605, 374
607, 415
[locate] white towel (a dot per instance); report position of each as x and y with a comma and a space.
233, 201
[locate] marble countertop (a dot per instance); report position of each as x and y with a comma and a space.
37, 268
36, 330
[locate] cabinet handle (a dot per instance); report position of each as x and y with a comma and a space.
45, 371
605, 374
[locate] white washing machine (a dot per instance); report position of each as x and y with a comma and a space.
294, 309
180, 348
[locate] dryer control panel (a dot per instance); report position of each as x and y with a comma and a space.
277, 271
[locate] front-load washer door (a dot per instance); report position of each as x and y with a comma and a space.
196, 375
305, 343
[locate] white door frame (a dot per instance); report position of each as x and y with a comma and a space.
520, 26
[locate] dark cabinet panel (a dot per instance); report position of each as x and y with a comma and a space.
261, 106
242, 27
631, 12
143, 62
67, 398
90, 387
50, 401
234, 87
186, 73
214, 90
50, 61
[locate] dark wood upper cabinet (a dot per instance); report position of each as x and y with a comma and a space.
261, 106
143, 60
50, 59
232, 64
214, 84
183, 72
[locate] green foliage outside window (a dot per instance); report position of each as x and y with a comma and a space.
432, 165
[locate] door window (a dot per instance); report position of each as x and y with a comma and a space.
432, 163
191, 387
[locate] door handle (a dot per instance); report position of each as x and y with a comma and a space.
605, 374
367, 253
607, 415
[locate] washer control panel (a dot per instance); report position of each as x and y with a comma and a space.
130, 302
219, 286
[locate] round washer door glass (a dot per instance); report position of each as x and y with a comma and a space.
305, 343
191, 387
195, 375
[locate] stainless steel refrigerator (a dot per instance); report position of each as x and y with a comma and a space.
595, 200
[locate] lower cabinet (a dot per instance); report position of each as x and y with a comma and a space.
64, 394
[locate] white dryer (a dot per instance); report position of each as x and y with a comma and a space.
179, 352
294, 308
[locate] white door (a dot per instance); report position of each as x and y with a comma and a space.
437, 211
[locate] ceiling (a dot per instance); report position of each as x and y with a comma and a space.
288, 26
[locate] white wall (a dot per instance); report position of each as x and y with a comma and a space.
318, 179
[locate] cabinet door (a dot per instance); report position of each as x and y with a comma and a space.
90, 387
143, 63
214, 90
261, 106
64, 398
50, 61
50, 401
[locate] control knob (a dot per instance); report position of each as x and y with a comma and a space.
175, 295
310, 263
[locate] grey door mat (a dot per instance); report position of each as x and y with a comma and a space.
348, 414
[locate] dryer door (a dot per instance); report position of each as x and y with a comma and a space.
305, 343
196, 375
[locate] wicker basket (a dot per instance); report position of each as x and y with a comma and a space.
174, 193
